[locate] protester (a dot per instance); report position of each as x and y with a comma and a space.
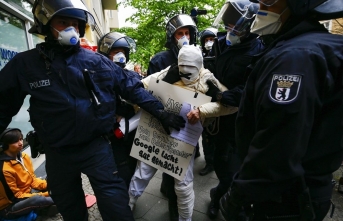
289, 124
237, 46
72, 109
180, 30
22, 192
189, 74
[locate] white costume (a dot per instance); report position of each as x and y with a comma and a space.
190, 57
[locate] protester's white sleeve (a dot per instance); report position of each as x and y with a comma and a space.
213, 109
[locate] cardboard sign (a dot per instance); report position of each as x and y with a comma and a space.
152, 145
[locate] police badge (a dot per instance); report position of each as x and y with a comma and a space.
284, 88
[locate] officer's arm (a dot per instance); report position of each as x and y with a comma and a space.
132, 89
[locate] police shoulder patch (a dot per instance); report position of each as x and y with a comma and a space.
284, 88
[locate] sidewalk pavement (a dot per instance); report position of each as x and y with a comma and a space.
153, 206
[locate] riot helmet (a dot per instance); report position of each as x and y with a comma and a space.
44, 10
177, 22
208, 32
116, 40
316, 9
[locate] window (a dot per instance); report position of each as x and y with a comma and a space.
23, 6
12, 37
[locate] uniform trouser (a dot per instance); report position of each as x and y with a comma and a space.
226, 164
183, 189
25, 206
208, 146
95, 159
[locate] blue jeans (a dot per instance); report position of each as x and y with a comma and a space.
25, 206
95, 159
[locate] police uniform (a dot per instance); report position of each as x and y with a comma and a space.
163, 59
231, 67
289, 125
70, 125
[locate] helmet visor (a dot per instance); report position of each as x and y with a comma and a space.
231, 12
267, 2
244, 22
44, 10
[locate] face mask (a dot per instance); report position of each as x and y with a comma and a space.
208, 45
266, 23
232, 39
182, 41
119, 58
188, 74
68, 36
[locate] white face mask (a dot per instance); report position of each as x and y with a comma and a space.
68, 36
119, 57
208, 45
266, 23
232, 39
182, 41
188, 74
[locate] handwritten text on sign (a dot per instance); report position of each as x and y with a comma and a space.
152, 145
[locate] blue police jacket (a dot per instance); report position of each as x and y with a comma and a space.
61, 110
163, 59
289, 124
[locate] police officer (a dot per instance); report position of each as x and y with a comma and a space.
289, 125
72, 110
207, 40
207, 37
180, 30
237, 47
118, 47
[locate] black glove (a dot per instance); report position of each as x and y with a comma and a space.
213, 91
170, 120
172, 74
232, 97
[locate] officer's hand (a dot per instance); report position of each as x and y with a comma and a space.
172, 74
212, 91
170, 120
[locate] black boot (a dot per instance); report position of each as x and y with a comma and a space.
207, 169
213, 208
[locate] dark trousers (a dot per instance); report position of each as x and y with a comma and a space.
208, 146
125, 163
225, 160
64, 167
